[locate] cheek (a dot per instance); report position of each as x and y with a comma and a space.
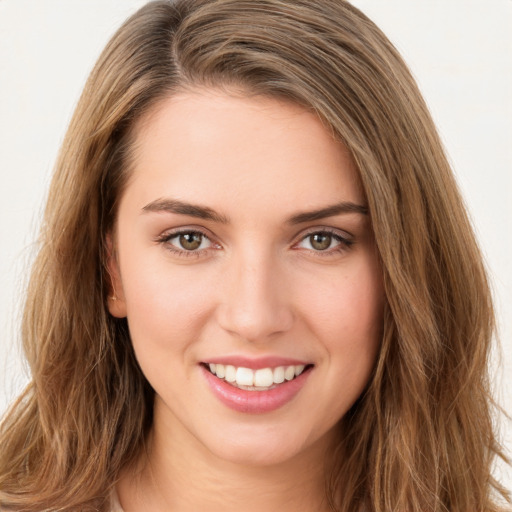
346, 316
346, 309
345, 313
165, 305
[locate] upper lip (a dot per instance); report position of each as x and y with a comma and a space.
256, 363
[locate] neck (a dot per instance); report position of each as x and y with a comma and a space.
177, 473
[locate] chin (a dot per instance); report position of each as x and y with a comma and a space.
267, 447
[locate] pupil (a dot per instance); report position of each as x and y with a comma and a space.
190, 241
321, 241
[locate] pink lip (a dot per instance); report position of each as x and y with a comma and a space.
255, 402
256, 363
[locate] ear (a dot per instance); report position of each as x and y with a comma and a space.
115, 301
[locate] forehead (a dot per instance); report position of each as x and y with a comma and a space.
257, 152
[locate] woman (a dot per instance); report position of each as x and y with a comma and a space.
258, 286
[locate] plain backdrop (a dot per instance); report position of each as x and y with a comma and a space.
460, 51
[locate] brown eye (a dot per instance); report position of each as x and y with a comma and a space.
187, 243
320, 241
326, 242
190, 241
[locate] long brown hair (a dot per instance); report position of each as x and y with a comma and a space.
421, 437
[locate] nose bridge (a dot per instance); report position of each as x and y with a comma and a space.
255, 302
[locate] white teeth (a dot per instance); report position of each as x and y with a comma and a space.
279, 374
244, 376
264, 378
230, 373
220, 370
289, 372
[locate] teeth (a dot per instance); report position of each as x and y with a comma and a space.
220, 371
230, 373
289, 372
244, 377
298, 369
279, 374
264, 378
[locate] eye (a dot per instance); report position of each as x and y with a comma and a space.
188, 241
324, 241
192, 241
320, 241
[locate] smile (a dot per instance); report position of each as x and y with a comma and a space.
262, 379
255, 390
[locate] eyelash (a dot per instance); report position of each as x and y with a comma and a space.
344, 242
165, 239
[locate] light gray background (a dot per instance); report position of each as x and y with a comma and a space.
459, 50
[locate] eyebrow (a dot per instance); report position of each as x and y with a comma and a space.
329, 211
182, 208
206, 213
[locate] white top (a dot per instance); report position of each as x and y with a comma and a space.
115, 506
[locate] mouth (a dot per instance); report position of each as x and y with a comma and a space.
262, 379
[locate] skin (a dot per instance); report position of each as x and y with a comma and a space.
257, 286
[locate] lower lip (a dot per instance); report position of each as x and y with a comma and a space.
255, 402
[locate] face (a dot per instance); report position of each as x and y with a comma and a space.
244, 261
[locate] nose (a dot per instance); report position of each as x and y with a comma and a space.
255, 303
